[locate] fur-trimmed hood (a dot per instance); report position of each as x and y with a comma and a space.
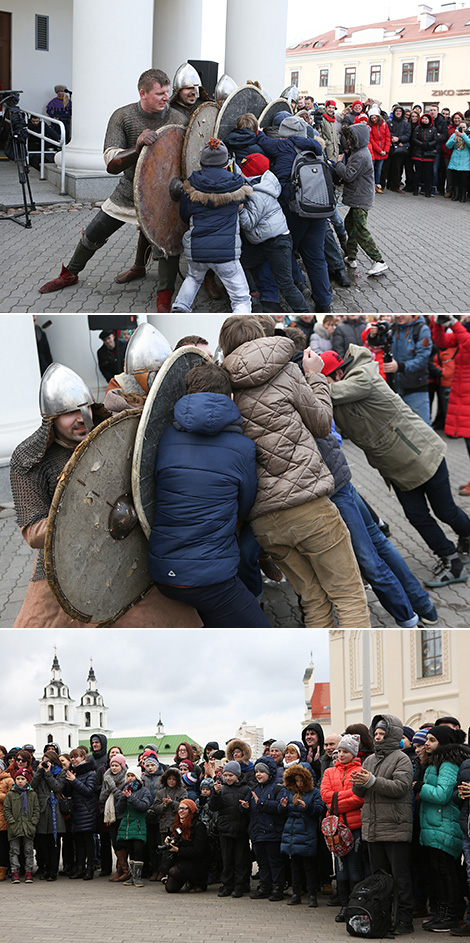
238, 745
171, 771
306, 776
216, 199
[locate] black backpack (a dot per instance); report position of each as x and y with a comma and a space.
368, 912
312, 192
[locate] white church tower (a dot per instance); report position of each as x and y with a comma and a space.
92, 715
56, 713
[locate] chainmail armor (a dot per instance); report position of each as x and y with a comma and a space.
124, 127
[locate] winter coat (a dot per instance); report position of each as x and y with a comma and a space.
335, 459
357, 175
246, 766
347, 332
320, 339
460, 147
132, 811
458, 411
282, 153
330, 135
338, 779
209, 205
20, 825
241, 142
401, 129
380, 140
412, 355
100, 757
83, 796
6, 782
46, 782
425, 143
267, 817
193, 856
463, 776
282, 412
313, 754
232, 820
261, 216
112, 786
387, 810
438, 815
165, 814
299, 835
206, 480
395, 439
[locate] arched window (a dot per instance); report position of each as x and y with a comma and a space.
87, 719
101, 720
66, 713
50, 712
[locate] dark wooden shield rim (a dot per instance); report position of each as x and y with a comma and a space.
283, 106
49, 542
228, 100
142, 223
184, 169
145, 524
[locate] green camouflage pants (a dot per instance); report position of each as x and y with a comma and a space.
358, 234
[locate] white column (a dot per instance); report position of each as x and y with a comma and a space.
112, 46
20, 375
255, 42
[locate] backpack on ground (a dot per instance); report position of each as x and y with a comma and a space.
368, 912
312, 192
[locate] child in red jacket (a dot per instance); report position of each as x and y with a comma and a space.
337, 779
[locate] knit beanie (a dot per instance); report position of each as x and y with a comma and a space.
190, 779
262, 767
190, 804
22, 771
207, 783
233, 767
419, 738
295, 745
408, 732
214, 154
188, 763
443, 734
150, 759
382, 725
374, 110
254, 165
118, 758
350, 742
357, 102
279, 118
292, 126
278, 745
136, 770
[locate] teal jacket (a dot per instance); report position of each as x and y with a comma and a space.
439, 816
460, 159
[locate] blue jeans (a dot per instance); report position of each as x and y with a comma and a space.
466, 854
437, 491
333, 254
266, 284
383, 581
231, 275
309, 238
227, 605
349, 868
378, 171
277, 252
337, 222
418, 596
419, 403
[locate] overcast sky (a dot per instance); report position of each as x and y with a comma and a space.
204, 683
307, 19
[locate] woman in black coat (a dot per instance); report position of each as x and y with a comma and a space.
189, 846
49, 781
82, 780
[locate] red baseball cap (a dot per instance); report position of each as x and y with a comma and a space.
332, 361
254, 165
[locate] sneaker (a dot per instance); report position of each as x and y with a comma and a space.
28, 878
448, 570
461, 931
351, 262
442, 925
429, 617
378, 268
15, 878
463, 549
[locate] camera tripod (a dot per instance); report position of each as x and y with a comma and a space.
17, 140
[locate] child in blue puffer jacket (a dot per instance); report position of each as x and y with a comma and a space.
299, 837
209, 205
267, 819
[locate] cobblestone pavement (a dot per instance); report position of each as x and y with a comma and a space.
453, 602
101, 912
426, 267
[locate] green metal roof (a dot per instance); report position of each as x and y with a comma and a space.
132, 746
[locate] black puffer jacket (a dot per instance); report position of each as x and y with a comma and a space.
232, 820
401, 129
311, 752
425, 140
84, 798
334, 457
348, 332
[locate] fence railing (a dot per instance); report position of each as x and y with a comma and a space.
58, 145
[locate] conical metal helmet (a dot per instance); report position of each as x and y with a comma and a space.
146, 350
291, 93
186, 77
63, 391
225, 86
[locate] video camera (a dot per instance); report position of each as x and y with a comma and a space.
9, 99
383, 339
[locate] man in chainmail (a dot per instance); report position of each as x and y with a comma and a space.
130, 128
68, 414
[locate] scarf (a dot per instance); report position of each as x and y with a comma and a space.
23, 790
330, 118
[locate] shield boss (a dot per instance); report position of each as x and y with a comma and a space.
159, 215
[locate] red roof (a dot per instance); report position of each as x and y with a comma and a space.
457, 21
320, 701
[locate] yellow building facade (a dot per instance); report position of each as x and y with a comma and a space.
416, 60
415, 674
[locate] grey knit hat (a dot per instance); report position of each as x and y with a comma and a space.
278, 745
292, 125
350, 742
261, 767
214, 154
233, 767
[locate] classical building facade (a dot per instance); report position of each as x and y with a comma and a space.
418, 675
421, 59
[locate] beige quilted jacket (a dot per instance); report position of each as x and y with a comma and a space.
282, 412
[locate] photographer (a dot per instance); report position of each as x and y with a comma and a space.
377, 337
188, 845
49, 781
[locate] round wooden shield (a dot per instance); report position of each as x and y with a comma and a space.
266, 117
157, 415
199, 130
247, 98
159, 215
95, 551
